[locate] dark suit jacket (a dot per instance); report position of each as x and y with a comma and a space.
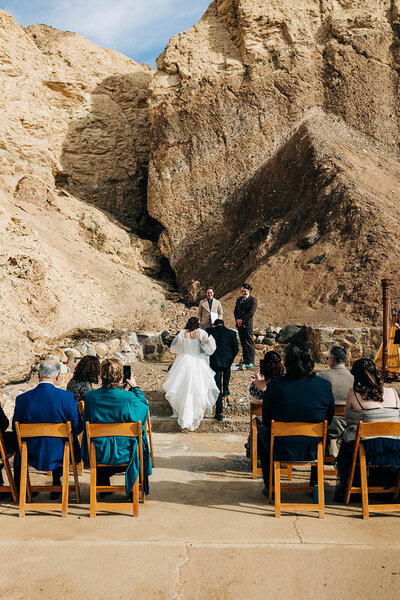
227, 347
46, 404
244, 310
303, 400
3, 420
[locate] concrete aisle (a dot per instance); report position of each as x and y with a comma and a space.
206, 531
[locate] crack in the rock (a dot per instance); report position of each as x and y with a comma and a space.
296, 529
178, 571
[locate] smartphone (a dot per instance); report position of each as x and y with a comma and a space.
127, 372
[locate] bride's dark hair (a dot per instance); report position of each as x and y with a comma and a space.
192, 324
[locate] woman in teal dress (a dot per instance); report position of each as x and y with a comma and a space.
110, 404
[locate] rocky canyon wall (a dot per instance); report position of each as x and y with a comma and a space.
263, 117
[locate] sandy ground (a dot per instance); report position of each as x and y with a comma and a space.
205, 531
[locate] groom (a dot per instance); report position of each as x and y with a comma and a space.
222, 359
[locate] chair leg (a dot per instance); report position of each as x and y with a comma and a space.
150, 440
277, 475
65, 482
396, 494
93, 480
351, 477
10, 478
364, 483
75, 469
135, 499
253, 448
24, 474
320, 476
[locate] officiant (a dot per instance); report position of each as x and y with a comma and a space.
210, 309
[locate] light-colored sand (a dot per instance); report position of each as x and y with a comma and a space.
204, 532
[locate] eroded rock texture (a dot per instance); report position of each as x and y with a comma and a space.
244, 164
73, 134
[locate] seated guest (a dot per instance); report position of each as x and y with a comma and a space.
111, 404
10, 442
47, 404
270, 367
297, 396
368, 401
86, 373
341, 380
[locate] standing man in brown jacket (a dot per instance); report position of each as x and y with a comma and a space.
209, 310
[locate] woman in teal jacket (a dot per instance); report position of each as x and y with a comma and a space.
110, 404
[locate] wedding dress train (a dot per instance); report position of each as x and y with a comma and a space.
190, 388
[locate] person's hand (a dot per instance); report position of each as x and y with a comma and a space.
259, 377
239, 322
131, 382
259, 382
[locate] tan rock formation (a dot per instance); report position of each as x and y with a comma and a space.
72, 117
227, 103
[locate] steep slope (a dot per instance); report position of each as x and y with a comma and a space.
229, 92
73, 120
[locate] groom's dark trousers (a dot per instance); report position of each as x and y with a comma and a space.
222, 359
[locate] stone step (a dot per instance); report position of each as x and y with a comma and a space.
208, 425
162, 408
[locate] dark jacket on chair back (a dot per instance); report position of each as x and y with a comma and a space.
299, 400
227, 347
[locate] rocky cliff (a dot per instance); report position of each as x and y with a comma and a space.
271, 124
73, 168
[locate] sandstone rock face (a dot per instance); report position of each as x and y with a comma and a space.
73, 130
263, 118
78, 115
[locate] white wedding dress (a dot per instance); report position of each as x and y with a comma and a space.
190, 388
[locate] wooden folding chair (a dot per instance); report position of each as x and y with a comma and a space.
57, 430
367, 430
81, 408
256, 411
11, 487
330, 460
96, 430
148, 431
279, 429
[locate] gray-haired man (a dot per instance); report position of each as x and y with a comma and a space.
341, 380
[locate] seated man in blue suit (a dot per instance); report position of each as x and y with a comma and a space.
297, 396
47, 404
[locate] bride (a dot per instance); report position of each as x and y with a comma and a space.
190, 388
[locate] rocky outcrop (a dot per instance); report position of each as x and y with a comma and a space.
76, 116
253, 116
73, 133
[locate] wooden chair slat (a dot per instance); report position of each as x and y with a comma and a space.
58, 430
367, 430
282, 429
94, 430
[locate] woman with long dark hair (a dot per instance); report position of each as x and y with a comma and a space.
190, 388
368, 400
86, 373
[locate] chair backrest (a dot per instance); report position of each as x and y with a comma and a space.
339, 410
95, 430
378, 429
281, 429
56, 430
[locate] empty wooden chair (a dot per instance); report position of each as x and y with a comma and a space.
368, 430
279, 429
11, 487
97, 430
59, 430
256, 411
